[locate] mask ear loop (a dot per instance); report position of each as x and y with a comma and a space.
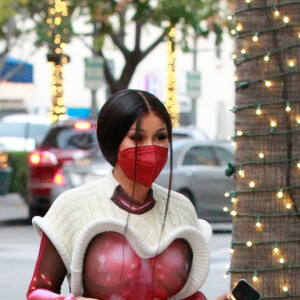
138, 123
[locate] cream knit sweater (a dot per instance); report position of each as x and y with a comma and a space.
79, 214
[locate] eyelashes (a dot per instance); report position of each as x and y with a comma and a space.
139, 137
136, 137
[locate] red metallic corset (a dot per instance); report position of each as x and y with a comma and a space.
112, 270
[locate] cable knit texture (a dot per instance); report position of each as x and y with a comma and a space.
81, 213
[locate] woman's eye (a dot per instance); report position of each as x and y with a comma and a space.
136, 137
161, 137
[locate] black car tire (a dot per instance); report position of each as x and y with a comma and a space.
36, 211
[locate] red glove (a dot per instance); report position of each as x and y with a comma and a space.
48, 275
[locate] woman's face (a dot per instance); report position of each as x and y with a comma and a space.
152, 131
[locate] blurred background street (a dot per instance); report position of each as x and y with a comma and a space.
19, 245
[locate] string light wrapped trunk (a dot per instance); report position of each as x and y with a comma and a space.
58, 32
266, 200
171, 88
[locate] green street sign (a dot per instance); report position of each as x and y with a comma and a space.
193, 84
94, 75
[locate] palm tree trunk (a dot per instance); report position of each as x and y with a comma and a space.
266, 223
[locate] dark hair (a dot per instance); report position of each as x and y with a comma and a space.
118, 114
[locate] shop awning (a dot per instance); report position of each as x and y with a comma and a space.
24, 71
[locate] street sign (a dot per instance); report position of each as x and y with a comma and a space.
94, 75
193, 84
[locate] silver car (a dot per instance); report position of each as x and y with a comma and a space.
198, 173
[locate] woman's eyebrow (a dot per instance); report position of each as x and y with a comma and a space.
143, 130
162, 129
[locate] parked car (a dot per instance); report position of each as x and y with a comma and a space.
198, 173
189, 132
64, 141
22, 132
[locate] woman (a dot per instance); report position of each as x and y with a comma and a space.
123, 237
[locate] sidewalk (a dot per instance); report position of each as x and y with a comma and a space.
12, 207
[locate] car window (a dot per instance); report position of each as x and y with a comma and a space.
224, 156
12, 129
200, 156
69, 138
38, 131
35, 131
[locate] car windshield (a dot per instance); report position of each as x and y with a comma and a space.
69, 138
23, 130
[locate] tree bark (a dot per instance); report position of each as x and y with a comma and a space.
266, 226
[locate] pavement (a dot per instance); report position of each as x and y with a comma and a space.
12, 207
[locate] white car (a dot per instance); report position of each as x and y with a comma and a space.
22, 132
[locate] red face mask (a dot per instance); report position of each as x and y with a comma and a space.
150, 161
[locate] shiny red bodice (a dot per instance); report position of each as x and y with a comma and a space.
112, 270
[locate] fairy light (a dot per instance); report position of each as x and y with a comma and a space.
233, 200
233, 56
252, 184
249, 243
281, 260
225, 209
239, 133
298, 164
231, 251
255, 38
285, 288
233, 213
266, 58
273, 124
248, 1
276, 250
276, 13
233, 32
229, 18
226, 194
298, 120
258, 110
286, 19
288, 107
255, 277
261, 155
258, 223
291, 63
280, 194
225, 276
242, 173
288, 206
239, 27
268, 83
243, 51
